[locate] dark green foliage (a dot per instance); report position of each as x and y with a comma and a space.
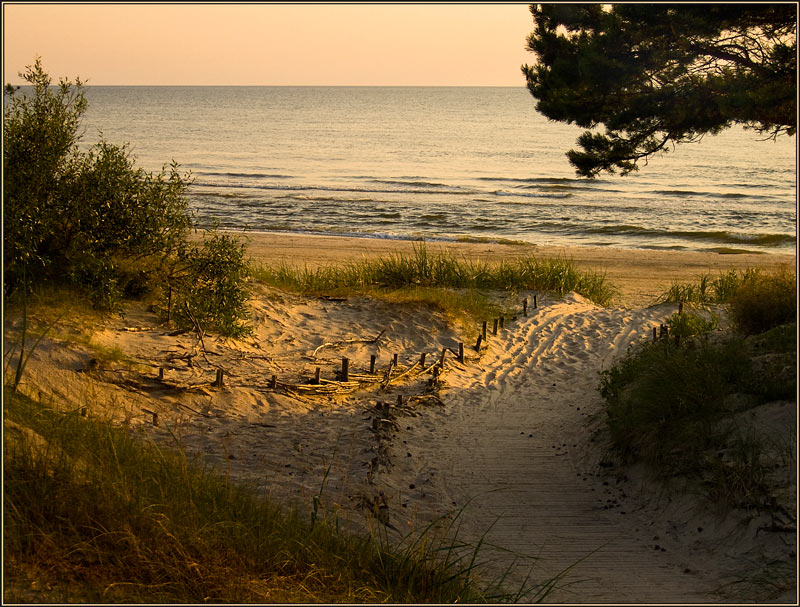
663, 401
688, 325
71, 215
675, 408
209, 288
764, 303
659, 74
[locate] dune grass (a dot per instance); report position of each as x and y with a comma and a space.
675, 409
674, 404
724, 287
94, 513
426, 270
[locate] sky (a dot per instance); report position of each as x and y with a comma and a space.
270, 44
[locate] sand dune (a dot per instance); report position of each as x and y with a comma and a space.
513, 443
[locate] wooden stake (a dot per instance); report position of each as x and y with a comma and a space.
161, 373
316, 375
372, 359
478, 345
399, 400
535, 305
154, 414
84, 412
502, 321
494, 328
218, 379
375, 423
483, 330
395, 359
441, 360
461, 351
345, 369
273, 383
422, 359
525, 307
655, 333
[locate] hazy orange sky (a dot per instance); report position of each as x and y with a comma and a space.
270, 44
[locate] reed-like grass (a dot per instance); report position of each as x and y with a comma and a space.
674, 406
709, 289
442, 270
98, 515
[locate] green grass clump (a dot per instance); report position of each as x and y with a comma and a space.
674, 406
689, 325
442, 270
98, 515
709, 289
663, 401
767, 301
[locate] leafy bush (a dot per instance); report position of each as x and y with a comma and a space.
72, 215
764, 303
688, 325
209, 288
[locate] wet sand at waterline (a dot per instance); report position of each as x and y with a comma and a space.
513, 442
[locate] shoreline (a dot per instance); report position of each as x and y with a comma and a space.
641, 275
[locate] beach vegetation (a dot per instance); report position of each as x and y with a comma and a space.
709, 289
92, 219
424, 269
688, 324
755, 300
207, 286
657, 75
72, 215
677, 405
766, 302
97, 513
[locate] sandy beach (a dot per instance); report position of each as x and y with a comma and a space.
640, 274
510, 440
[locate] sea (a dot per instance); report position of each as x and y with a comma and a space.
442, 164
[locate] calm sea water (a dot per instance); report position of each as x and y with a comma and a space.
442, 163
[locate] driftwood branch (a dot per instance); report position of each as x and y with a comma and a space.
348, 342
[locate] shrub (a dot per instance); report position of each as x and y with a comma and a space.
688, 325
663, 401
71, 215
765, 302
209, 289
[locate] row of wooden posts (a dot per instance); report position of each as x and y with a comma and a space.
662, 331
499, 323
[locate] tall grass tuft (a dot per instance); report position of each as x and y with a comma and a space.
708, 289
765, 302
99, 515
675, 407
442, 269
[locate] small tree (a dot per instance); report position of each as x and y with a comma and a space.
76, 215
208, 287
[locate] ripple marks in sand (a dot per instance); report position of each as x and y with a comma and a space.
518, 415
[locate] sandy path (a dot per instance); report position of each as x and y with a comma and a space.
515, 446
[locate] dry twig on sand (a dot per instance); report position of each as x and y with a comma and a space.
348, 342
